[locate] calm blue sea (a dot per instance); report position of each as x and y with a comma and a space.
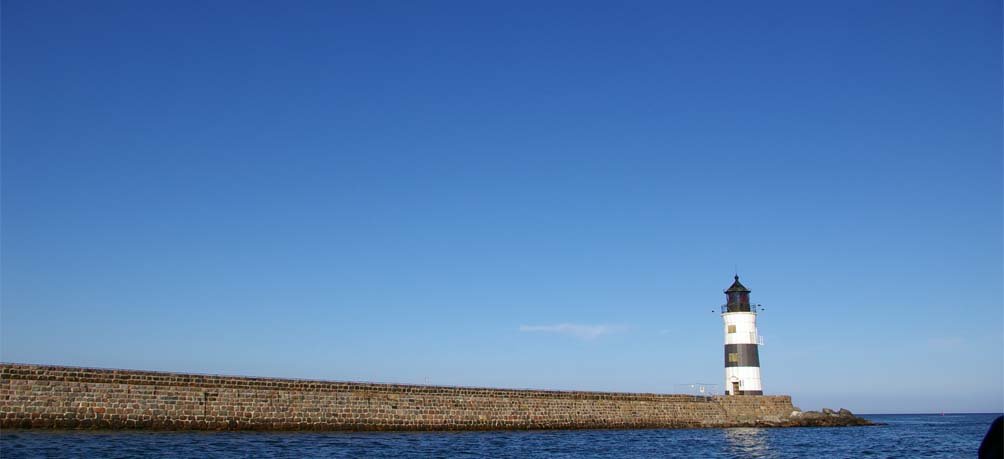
904, 436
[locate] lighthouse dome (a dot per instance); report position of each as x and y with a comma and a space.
737, 287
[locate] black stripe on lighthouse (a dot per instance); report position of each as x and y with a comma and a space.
742, 355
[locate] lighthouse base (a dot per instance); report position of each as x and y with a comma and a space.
746, 392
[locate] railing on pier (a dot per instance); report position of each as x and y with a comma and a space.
699, 390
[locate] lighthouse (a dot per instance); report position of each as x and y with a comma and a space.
742, 355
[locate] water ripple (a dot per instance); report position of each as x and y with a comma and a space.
904, 436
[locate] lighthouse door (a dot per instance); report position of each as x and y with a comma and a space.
735, 388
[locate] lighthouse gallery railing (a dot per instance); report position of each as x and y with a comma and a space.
753, 308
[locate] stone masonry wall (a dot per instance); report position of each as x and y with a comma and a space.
37, 396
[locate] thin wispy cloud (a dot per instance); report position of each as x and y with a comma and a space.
580, 331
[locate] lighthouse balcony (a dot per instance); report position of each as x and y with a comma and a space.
740, 308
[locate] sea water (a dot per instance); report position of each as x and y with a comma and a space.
902, 436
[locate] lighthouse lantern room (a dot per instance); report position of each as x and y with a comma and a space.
742, 356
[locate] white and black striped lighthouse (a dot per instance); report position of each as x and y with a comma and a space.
742, 354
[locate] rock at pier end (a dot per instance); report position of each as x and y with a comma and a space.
826, 418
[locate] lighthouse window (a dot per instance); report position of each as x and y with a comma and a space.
733, 356
732, 328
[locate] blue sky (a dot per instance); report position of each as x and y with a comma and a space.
513, 194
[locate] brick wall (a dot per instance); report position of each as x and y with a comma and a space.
66, 397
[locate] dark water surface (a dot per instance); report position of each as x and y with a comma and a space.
905, 436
